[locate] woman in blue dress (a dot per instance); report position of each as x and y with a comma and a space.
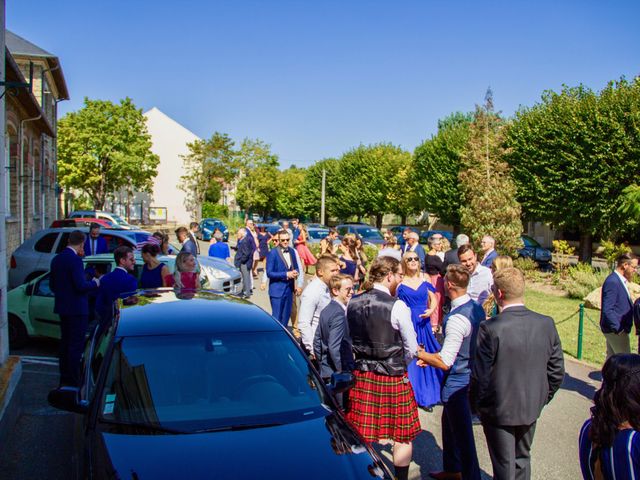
153, 271
419, 295
609, 444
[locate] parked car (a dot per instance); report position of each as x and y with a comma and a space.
30, 306
208, 226
112, 217
316, 234
83, 222
33, 257
424, 236
191, 385
533, 250
369, 234
271, 228
317, 225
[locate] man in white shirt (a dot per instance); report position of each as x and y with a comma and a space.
460, 327
314, 298
481, 279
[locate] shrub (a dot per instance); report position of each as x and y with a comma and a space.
562, 250
528, 267
581, 280
611, 251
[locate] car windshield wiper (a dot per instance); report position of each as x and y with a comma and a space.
148, 426
244, 426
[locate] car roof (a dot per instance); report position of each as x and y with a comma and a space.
166, 312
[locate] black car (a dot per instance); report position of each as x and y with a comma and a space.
202, 385
424, 236
533, 250
369, 234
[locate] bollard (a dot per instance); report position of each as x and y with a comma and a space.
580, 330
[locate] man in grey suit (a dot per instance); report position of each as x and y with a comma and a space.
518, 367
331, 344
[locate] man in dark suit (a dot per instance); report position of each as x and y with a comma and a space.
95, 244
119, 283
243, 259
331, 345
193, 229
616, 309
518, 367
188, 245
451, 256
70, 288
282, 270
488, 246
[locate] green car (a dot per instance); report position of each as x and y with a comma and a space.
30, 306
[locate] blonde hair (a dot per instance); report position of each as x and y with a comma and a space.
181, 258
510, 281
405, 263
499, 263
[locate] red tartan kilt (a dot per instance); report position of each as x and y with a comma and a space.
383, 407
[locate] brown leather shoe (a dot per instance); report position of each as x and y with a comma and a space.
446, 475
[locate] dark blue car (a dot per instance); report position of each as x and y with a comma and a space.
533, 250
200, 386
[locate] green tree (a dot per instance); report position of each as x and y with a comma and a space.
311, 191
208, 165
367, 176
258, 189
291, 183
436, 169
403, 197
489, 204
104, 147
573, 154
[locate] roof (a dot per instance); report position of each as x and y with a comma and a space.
20, 47
25, 97
165, 312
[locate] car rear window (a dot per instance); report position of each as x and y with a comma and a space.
64, 238
45, 244
114, 242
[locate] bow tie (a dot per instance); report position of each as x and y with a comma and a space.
285, 250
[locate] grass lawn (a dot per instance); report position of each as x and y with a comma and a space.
565, 313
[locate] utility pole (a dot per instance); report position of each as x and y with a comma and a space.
324, 180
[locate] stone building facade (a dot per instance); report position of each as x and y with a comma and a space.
30, 139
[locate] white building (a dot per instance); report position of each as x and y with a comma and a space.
170, 141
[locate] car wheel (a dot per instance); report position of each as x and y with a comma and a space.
32, 275
18, 336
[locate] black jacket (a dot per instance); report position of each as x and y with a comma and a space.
518, 367
450, 258
332, 345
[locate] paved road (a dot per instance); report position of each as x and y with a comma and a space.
41, 444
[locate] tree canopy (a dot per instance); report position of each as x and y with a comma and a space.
105, 147
573, 154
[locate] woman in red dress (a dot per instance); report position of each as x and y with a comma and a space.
301, 246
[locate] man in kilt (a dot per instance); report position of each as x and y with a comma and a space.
460, 328
381, 404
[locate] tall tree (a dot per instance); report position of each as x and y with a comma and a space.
403, 198
208, 165
437, 165
367, 176
310, 196
291, 183
259, 178
104, 147
573, 154
489, 204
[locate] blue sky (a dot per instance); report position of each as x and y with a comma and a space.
316, 78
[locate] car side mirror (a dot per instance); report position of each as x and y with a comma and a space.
341, 382
29, 289
67, 398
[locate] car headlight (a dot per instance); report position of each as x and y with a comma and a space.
215, 273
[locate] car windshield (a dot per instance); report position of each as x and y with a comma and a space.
210, 381
119, 219
369, 233
318, 234
213, 225
530, 242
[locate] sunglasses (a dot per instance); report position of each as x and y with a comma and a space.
412, 259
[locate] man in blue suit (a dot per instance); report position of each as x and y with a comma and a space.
616, 312
282, 270
488, 245
95, 244
188, 245
243, 259
71, 289
119, 283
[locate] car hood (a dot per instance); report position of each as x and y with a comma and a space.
218, 263
319, 448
